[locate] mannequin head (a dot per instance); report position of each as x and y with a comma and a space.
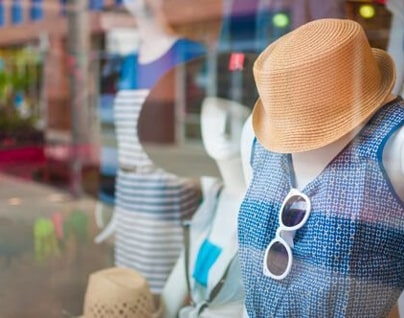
155, 38
221, 125
139, 9
147, 14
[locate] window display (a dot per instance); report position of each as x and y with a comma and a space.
174, 191
327, 125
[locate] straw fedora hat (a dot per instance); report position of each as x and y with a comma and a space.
318, 83
119, 292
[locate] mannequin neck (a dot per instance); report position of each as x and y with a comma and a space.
154, 41
224, 224
309, 164
232, 176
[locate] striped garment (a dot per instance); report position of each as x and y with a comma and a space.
150, 203
149, 209
348, 259
128, 104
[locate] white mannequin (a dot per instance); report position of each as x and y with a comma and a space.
221, 125
154, 42
309, 164
154, 39
147, 214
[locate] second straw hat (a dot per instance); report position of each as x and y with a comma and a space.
318, 83
119, 292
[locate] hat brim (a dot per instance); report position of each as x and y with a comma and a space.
266, 135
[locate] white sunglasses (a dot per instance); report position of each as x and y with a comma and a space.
293, 215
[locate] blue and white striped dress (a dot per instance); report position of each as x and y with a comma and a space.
150, 203
149, 209
127, 107
349, 256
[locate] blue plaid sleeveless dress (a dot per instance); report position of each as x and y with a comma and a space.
348, 259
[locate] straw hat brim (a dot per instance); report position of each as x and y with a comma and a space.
267, 136
157, 314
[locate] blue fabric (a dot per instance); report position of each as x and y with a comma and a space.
128, 76
348, 259
182, 51
207, 256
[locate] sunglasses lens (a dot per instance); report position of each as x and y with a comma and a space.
294, 211
277, 259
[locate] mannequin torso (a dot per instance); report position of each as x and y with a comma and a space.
229, 200
218, 227
307, 166
334, 248
150, 202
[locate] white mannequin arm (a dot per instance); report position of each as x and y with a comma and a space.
175, 290
107, 231
396, 42
98, 215
393, 161
402, 152
247, 139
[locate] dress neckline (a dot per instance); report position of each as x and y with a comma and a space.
313, 183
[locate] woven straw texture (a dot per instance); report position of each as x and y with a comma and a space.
317, 83
116, 293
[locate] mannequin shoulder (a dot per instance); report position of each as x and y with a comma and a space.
393, 155
393, 161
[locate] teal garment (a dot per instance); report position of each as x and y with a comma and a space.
207, 256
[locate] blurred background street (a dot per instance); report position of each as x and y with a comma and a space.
46, 249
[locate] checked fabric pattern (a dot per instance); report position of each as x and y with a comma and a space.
348, 259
